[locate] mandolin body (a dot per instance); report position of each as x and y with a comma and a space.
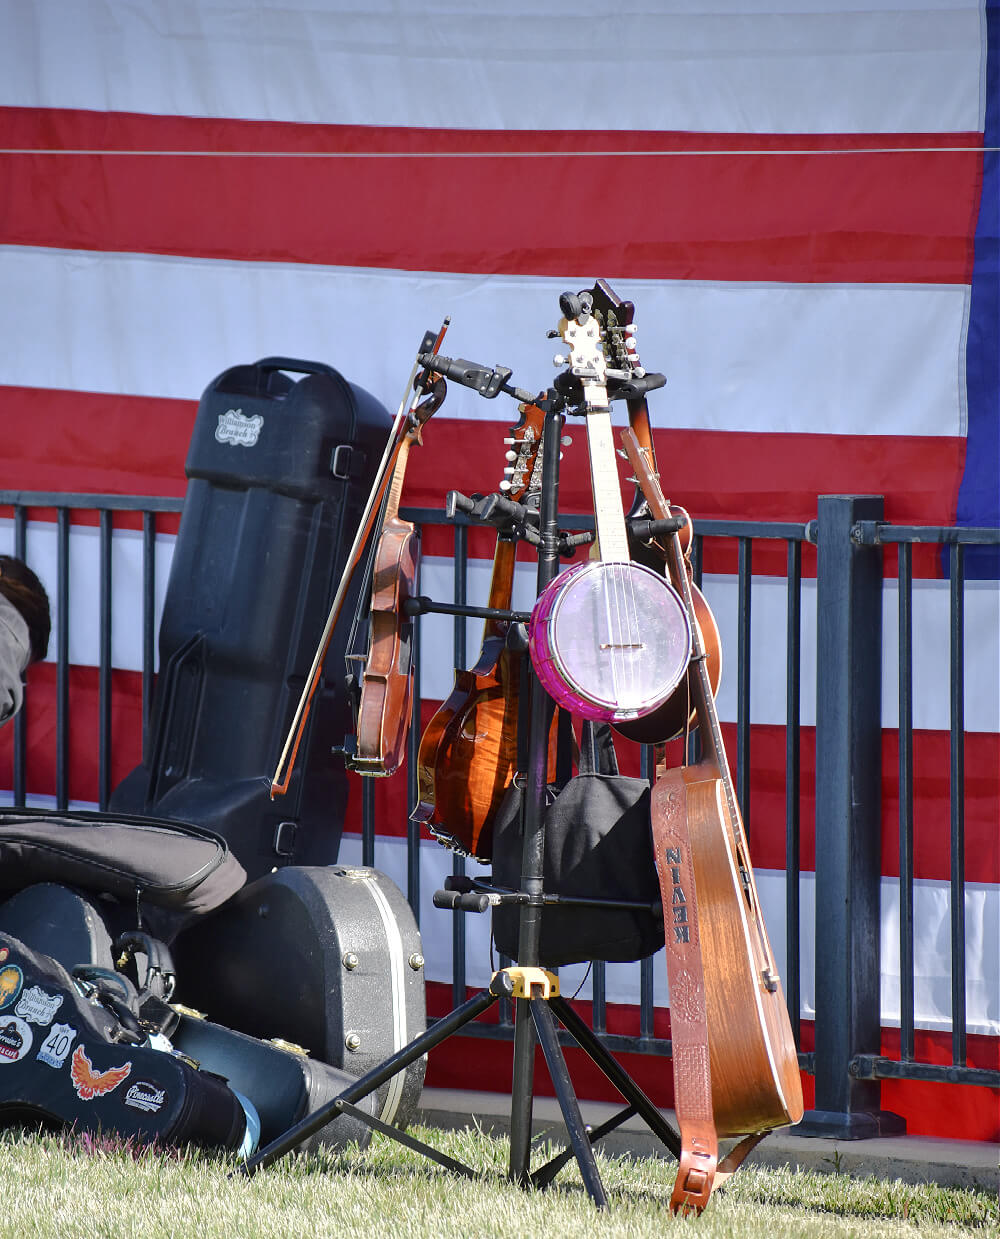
468, 753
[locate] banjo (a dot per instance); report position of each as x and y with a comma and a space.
609, 639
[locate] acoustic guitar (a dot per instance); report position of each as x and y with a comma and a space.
722, 972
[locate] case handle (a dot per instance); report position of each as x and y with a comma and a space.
296, 365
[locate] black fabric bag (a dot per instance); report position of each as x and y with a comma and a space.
172, 872
598, 844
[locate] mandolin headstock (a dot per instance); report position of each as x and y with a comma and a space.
523, 473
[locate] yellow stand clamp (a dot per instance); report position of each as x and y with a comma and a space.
528, 983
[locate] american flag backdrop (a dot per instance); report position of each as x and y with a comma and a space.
802, 201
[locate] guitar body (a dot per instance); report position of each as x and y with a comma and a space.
755, 1078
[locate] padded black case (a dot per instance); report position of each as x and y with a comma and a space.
279, 472
61, 1063
328, 957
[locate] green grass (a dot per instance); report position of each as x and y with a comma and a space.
57, 1185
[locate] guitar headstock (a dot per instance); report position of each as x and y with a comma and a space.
603, 360
523, 473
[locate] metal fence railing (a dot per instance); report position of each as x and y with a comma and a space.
850, 538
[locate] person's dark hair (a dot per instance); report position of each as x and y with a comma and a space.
20, 586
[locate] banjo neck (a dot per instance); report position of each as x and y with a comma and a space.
585, 341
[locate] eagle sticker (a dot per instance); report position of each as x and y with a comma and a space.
90, 1083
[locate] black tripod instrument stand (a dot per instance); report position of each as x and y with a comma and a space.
538, 1004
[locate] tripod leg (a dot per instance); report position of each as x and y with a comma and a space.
584, 1150
437, 1033
522, 1089
619, 1077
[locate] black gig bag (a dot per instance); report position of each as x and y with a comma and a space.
598, 845
164, 873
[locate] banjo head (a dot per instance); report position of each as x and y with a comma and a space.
610, 641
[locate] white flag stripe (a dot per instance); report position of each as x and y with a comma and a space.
931, 692
805, 358
84, 588
932, 997
931, 682
818, 67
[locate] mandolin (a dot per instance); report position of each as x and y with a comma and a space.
700, 843
610, 638
468, 751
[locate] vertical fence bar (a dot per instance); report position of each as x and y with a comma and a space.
461, 595
957, 652
368, 822
743, 682
697, 573
148, 626
793, 648
599, 994
21, 718
848, 819
104, 664
904, 576
62, 663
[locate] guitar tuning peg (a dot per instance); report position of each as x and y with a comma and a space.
566, 440
510, 440
560, 360
505, 485
510, 455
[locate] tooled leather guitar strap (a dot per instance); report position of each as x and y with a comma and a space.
699, 1171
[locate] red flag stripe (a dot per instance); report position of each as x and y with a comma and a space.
860, 208
716, 475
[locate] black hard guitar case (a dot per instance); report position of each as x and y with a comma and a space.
279, 472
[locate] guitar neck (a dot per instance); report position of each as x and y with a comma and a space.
612, 538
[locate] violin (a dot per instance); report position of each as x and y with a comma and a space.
609, 639
405, 419
468, 751
385, 699
752, 1069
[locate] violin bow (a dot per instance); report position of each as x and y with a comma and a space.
405, 418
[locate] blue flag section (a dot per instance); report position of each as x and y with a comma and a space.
979, 495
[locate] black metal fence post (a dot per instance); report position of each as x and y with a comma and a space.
848, 820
